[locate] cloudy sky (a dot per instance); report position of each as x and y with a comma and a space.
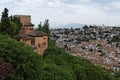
66, 11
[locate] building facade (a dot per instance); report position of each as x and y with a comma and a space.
30, 36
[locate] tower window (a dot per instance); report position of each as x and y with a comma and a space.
30, 28
39, 45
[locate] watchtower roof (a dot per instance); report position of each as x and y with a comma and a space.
37, 33
19, 36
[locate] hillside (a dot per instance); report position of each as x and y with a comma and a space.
55, 64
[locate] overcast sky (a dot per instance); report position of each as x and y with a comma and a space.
66, 11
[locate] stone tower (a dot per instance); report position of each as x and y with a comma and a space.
27, 26
30, 36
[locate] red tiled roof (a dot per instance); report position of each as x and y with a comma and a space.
19, 36
37, 33
29, 24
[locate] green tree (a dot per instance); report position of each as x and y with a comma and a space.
16, 20
40, 26
45, 27
6, 27
5, 23
108, 76
117, 75
85, 27
54, 72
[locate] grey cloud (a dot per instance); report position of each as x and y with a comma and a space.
62, 10
69, 1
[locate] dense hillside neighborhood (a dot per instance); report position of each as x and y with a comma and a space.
99, 44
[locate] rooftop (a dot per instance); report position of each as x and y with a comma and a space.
19, 36
37, 33
29, 24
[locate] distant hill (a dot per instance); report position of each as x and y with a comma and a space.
73, 25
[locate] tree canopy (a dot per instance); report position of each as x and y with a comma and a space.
25, 61
73, 68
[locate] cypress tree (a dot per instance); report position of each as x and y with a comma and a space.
18, 23
5, 23
46, 27
40, 26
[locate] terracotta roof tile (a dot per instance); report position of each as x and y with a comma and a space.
19, 36
28, 24
37, 33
